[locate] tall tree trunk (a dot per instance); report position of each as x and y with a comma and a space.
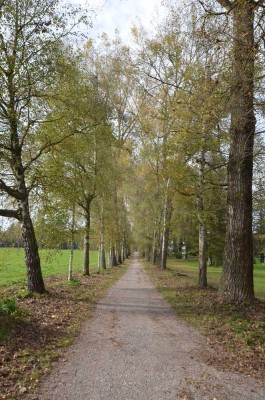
35, 279
164, 247
70, 267
158, 255
202, 226
110, 258
102, 237
123, 252
114, 257
202, 254
154, 247
103, 255
165, 233
32, 259
237, 276
99, 258
119, 255
87, 241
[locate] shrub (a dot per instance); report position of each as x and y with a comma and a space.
8, 307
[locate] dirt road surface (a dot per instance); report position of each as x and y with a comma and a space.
135, 348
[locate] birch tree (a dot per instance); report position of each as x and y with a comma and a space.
30, 34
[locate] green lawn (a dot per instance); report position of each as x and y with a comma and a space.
214, 273
53, 262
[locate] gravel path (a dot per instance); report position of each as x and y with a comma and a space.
136, 348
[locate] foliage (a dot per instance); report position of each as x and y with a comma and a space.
7, 307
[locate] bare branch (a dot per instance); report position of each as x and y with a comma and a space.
167, 83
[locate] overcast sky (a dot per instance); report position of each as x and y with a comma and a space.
122, 14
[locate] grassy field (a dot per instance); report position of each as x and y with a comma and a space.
53, 262
214, 273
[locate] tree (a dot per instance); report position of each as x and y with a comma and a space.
113, 58
161, 80
237, 276
77, 166
182, 75
30, 34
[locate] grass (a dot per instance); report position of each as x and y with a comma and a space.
237, 329
13, 276
53, 263
214, 274
8, 307
10, 314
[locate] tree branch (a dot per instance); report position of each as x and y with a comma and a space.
10, 191
210, 11
46, 147
226, 3
184, 193
229, 5
10, 214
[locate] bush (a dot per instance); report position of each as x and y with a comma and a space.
8, 307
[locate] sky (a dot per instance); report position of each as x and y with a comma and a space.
122, 14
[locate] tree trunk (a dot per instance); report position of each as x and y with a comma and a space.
102, 237
165, 233
154, 255
35, 280
202, 226
70, 268
71, 257
119, 256
202, 255
114, 257
110, 258
164, 247
87, 241
158, 257
103, 256
123, 251
154, 248
237, 276
99, 258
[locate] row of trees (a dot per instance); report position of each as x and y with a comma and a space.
202, 77
60, 151
158, 137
